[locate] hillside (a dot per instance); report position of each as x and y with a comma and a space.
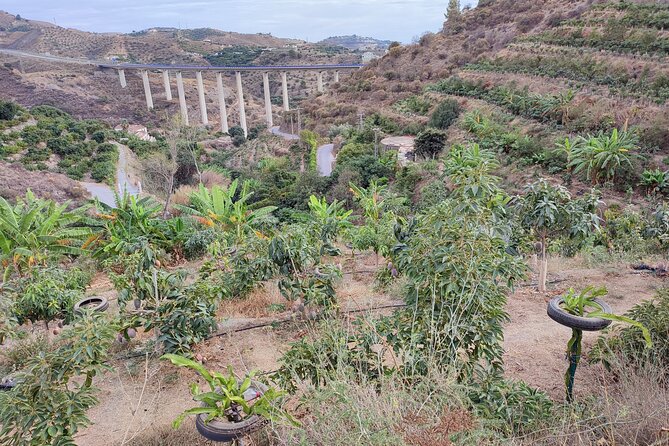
357, 43
611, 55
89, 93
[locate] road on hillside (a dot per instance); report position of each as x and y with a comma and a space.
129, 66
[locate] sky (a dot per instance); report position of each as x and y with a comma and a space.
311, 20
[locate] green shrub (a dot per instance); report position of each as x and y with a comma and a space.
445, 114
429, 143
47, 294
47, 111
8, 110
54, 391
626, 346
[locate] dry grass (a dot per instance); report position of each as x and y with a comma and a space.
256, 304
631, 410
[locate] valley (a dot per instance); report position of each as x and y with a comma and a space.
458, 241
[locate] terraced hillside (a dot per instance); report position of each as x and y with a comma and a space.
527, 75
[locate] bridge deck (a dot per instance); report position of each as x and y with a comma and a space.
129, 66
132, 66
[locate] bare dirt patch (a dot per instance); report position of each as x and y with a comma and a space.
535, 344
139, 400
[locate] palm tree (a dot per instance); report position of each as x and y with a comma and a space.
33, 230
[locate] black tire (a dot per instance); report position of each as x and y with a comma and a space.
224, 431
7, 384
560, 316
94, 303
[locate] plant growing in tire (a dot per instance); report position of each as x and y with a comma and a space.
232, 407
585, 311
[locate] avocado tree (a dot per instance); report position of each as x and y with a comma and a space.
549, 211
429, 143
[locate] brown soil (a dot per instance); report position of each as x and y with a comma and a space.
535, 345
15, 180
139, 400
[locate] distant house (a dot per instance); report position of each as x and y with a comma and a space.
404, 146
368, 56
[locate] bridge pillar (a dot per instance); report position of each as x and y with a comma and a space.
284, 88
182, 99
336, 77
121, 77
268, 100
221, 103
242, 108
147, 89
166, 83
200, 93
319, 81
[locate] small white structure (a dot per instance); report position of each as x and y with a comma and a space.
137, 130
404, 146
368, 56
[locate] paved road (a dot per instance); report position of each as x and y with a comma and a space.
324, 159
130, 66
48, 57
324, 156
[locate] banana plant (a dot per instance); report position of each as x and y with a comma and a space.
33, 230
602, 156
227, 208
329, 221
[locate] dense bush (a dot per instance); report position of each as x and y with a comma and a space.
47, 294
445, 114
54, 390
8, 110
429, 143
626, 345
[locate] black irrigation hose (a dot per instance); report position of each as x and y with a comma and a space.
253, 327
285, 320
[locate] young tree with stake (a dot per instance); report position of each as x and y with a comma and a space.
549, 211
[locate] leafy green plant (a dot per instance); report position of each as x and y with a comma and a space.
227, 208
453, 259
45, 295
132, 223
445, 114
549, 211
579, 305
34, 230
655, 181
329, 221
180, 315
297, 256
55, 389
429, 143
602, 156
628, 344
226, 397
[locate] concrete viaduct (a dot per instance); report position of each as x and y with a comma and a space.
165, 70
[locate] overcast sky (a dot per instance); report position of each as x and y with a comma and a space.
310, 20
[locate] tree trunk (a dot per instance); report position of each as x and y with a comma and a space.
169, 197
302, 163
543, 267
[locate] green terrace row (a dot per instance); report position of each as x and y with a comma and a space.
583, 70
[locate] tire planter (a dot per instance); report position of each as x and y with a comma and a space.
227, 431
7, 384
95, 303
561, 316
